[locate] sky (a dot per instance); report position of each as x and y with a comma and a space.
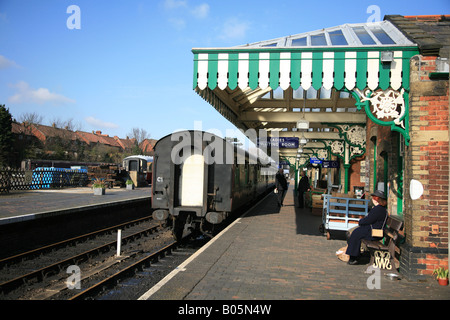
117, 65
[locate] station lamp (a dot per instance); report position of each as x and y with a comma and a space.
387, 56
303, 140
303, 124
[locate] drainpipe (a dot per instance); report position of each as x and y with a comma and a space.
346, 166
375, 164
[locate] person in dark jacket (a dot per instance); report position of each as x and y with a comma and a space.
281, 186
303, 186
375, 219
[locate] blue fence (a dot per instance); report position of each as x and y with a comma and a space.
46, 178
41, 178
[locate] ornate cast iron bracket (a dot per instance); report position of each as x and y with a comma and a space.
354, 140
390, 108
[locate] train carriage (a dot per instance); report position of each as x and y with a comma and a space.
200, 178
139, 169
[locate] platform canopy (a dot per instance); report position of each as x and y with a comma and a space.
326, 78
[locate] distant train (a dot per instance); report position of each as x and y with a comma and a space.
199, 179
139, 169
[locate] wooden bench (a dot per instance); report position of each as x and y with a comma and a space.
383, 252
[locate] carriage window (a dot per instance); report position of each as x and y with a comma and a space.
133, 165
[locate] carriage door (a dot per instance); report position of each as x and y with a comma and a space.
192, 181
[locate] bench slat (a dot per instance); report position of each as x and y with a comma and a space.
375, 245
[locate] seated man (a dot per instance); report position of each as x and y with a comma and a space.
375, 219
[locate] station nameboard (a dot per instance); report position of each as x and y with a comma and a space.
281, 142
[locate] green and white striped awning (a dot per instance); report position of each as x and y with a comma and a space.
348, 56
272, 84
341, 68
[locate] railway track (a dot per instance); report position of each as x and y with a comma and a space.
68, 242
35, 274
86, 267
112, 281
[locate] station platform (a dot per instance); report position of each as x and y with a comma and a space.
274, 253
19, 206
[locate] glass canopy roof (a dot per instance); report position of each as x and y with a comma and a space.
373, 34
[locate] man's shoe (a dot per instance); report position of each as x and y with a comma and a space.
352, 262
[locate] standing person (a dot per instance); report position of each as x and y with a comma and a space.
281, 186
375, 219
303, 186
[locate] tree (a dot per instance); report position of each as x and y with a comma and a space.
140, 135
69, 125
30, 118
6, 137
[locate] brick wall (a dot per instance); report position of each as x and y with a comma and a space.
354, 173
427, 160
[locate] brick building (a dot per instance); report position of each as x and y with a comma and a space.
46, 139
427, 157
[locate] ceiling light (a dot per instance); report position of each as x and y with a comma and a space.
303, 140
302, 124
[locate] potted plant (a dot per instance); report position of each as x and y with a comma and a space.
99, 187
130, 185
441, 276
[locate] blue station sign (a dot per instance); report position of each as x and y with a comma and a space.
314, 160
